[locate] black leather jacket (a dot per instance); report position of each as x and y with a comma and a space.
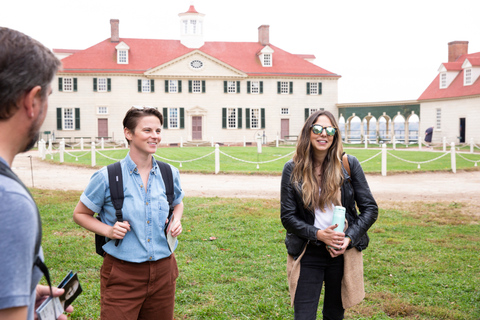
298, 220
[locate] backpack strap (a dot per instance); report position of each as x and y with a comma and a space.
167, 177
7, 171
346, 165
115, 181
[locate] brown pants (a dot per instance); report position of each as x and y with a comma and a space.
138, 290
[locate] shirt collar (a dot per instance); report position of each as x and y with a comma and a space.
132, 167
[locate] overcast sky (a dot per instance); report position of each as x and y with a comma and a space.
385, 50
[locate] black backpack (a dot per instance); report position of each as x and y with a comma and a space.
115, 181
6, 171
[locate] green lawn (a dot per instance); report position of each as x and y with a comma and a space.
422, 262
272, 159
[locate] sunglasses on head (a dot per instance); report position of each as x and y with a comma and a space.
318, 129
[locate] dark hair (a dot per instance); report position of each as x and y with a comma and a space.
331, 168
134, 114
24, 64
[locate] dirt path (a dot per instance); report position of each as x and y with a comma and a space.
462, 186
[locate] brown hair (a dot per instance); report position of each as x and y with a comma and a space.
24, 64
134, 114
331, 170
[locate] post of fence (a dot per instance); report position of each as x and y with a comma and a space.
211, 142
62, 150
471, 145
454, 162
394, 142
102, 143
49, 144
244, 141
217, 158
81, 144
94, 162
41, 146
276, 143
181, 142
366, 143
444, 144
419, 144
384, 160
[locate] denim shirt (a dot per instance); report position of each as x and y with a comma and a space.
145, 211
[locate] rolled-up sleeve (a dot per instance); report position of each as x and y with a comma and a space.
94, 195
177, 187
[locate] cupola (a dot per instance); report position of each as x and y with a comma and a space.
191, 28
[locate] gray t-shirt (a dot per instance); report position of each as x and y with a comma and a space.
18, 233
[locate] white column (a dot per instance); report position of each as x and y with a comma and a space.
384, 160
217, 159
454, 160
94, 162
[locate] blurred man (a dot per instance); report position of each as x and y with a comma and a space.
26, 70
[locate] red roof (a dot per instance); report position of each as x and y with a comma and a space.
145, 54
191, 10
453, 66
456, 88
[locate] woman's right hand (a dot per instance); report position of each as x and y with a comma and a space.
331, 237
119, 230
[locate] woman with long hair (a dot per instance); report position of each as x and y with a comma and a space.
313, 183
138, 274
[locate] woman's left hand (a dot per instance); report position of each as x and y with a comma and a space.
335, 253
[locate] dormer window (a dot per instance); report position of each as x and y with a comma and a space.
266, 56
443, 80
467, 80
267, 60
122, 53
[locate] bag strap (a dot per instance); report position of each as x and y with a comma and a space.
346, 165
7, 171
167, 177
115, 181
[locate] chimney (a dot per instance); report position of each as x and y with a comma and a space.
264, 35
456, 49
115, 34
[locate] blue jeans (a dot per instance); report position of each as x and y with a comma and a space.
316, 267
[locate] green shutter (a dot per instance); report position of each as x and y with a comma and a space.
179, 86
203, 86
77, 118
290, 87
239, 120
95, 84
238, 86
152, 85
166, 86
139, 83
109, 84
248, 86
261, 86
319, 88
307, 113
308, 87
60, 84
225, 89
75, 84
262, 111
165, 118
182, 118
59, 119
190, 86
224, 118
279, 87
247, 118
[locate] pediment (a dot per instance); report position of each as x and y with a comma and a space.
122, 46
196, 64
197, 111
466, 64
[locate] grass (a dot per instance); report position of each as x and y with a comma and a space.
422, 262
270, 162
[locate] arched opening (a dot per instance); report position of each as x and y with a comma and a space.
341, 127
413, 127
399, 128
354, 134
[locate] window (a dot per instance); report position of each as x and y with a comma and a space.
231, 86
255, 118
146, 85
185, 26
173, 86
67, 84
314, 88
284, 111
284, 87
439, 119
232, 118
267, 60
122, 57
254, 87
310, 111
173, 118
102, 110
102, 84
68, 118
196, 86
443, 80
468, 77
